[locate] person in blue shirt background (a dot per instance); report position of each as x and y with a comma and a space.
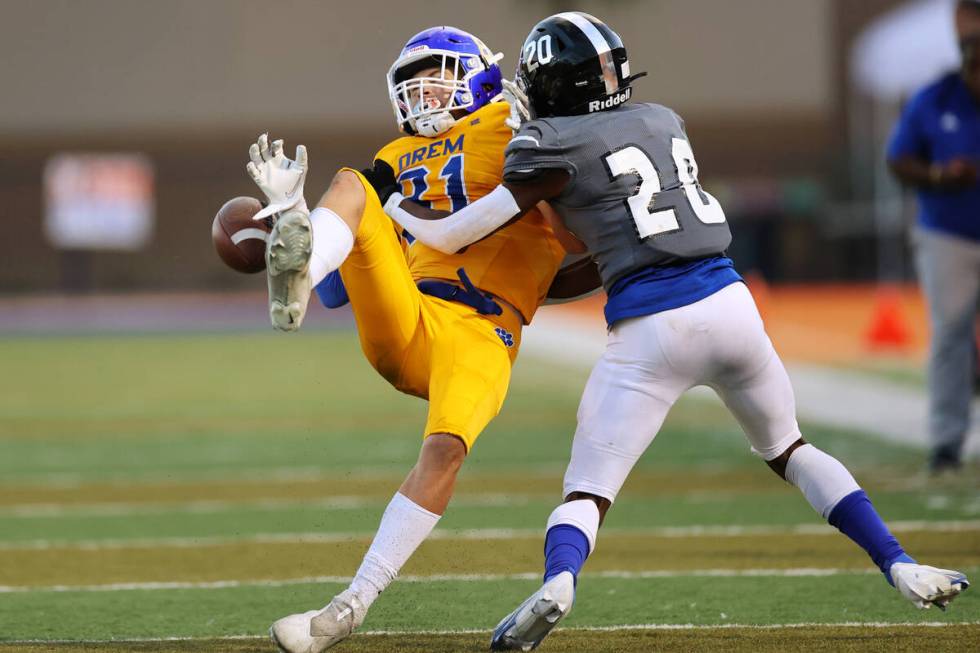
936, 149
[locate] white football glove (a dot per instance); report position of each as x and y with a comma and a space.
517, 99
281, 179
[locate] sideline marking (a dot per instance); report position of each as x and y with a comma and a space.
434, 578
475, 631
949, 526
252, 475
213, 506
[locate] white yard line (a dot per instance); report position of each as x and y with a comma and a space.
810, 529
122, 509
838, 398
206, 507
69, 480
393, 474
439, 578
486, 631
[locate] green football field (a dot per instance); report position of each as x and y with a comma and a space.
181, 492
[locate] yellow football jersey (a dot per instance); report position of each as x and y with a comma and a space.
518, 262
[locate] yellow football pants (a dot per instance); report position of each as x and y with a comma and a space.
442, 351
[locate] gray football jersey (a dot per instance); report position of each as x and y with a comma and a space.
633, 198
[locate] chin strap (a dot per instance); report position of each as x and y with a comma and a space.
434, 124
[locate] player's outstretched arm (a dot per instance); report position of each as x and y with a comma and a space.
450, 232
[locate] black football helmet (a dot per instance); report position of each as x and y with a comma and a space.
573, 63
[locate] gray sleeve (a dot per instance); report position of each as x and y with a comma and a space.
680, 122
535, 147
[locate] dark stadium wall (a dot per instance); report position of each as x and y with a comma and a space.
749, 118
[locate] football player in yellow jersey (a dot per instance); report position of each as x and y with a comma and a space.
440, 326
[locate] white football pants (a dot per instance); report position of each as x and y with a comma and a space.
650, 360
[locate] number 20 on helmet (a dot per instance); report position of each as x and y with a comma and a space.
573, 63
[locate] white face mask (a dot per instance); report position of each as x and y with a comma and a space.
465, 77
425, 113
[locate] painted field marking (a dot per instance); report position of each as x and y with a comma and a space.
476, 631
257, 475
337, 502
206, 507
949, 526
69, 480
798, 572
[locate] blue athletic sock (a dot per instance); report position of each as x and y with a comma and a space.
565, 549
856, 518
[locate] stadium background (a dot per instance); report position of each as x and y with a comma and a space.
108, 440
763, 85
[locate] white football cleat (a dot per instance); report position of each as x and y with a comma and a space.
925, 586
524, 628
317, 630
292, 634
287, 260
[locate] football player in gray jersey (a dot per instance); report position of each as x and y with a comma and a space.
624, 182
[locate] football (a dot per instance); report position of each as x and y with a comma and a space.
238, 239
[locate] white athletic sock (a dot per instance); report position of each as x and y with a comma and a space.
332, 242
822, 478
583, 514
404, 526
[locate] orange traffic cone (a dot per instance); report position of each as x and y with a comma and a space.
888, 329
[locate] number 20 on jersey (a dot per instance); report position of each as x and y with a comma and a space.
651, 221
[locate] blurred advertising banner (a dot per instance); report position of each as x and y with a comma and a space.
98, 201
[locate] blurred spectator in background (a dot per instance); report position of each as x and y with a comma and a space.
936, 149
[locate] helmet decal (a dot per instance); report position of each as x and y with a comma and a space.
601, 45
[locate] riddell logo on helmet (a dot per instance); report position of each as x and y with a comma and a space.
610, 102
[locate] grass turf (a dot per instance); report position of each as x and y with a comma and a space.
893, 639
128, 438
454, 605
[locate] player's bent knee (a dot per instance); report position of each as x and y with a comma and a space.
346, 181
345, 196
778, 464
443, 451
602, 503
